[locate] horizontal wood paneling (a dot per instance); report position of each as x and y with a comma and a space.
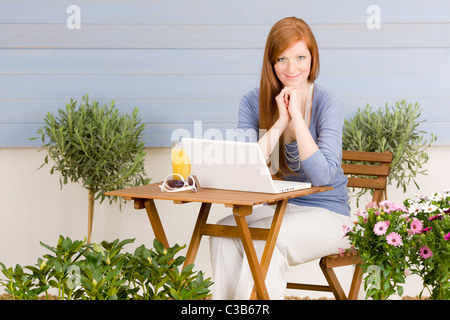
215, 61
222, 11
168, 104
211, 86
209, 110
131, 61
217, 36
155, 134
150, 110
187, 60
125, 86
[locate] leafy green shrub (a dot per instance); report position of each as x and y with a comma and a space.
394, 129
96, 146
82, 271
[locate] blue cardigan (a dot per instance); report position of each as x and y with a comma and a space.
322, 168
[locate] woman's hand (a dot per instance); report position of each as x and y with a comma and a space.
269, 140
306, 144
294, 98
282, 101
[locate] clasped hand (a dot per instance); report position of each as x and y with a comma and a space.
289, 103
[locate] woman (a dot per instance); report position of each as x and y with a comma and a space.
302, 123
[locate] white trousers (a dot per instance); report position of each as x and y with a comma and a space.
307, 233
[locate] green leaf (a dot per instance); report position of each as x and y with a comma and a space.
158, 246
400, 290
47, 247
174, 294
97, 248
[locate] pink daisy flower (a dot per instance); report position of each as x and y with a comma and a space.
385, 202
394, 239
397, 207
438, 216
346, 229
372, 205
425, 252
380, 227
416, 226
362, 213
447, 236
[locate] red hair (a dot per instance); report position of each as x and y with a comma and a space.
283, 34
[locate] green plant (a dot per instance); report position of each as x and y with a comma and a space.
394, 129
381, 237
430, 258
157, 273
103, 272
421, 227
84, 271
20, 284
96, 146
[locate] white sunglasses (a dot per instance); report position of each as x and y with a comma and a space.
175, 183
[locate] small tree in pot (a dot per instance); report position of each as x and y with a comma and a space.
395, 129
96, 146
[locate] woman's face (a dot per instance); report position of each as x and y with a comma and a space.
293, 65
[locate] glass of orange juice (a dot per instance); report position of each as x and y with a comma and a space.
180, 160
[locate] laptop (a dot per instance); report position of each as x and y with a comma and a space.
232, 165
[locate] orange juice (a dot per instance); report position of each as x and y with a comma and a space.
180, 160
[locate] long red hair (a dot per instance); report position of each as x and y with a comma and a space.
283, 34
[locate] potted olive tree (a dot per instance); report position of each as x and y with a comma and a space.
96, 146
395, 129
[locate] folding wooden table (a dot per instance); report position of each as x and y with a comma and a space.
242, 204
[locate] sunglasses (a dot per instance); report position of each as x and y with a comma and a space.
175, 183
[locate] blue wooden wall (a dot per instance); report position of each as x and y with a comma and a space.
192, 60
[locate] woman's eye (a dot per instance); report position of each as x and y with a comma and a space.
280, 59
301, 57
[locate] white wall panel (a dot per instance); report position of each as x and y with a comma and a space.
187, 60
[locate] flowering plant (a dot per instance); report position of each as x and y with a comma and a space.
394, 240
380, 235
430, 257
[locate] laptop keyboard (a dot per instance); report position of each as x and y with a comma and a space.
283, 184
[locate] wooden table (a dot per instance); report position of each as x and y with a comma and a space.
242, 204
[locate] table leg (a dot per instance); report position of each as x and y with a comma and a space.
196, 235
155, 221
239, 214
271, 240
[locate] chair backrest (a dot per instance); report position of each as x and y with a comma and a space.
361, 175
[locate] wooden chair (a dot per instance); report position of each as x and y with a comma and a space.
360, 175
